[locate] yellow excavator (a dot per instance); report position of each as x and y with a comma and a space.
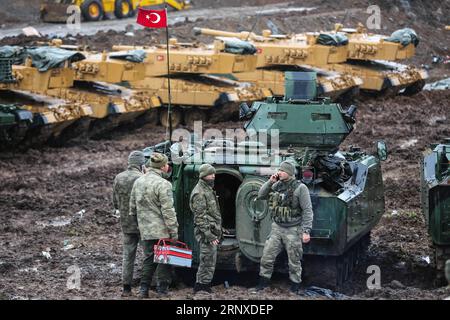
95, 10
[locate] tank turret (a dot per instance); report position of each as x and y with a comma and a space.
374, 58
300, 120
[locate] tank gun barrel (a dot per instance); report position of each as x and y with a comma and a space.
243, 35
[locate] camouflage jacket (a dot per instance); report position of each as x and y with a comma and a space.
152, 201
205, 207
301, 199
123, 183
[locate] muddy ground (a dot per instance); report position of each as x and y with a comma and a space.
42, 192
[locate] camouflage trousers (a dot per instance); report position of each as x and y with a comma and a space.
207, 263
162, 272
283, 238
130, 244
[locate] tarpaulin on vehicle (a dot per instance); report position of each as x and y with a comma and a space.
404, 37
8, 52
43, 58
132, 55
237, 46
12, 53
332, 39
46, 58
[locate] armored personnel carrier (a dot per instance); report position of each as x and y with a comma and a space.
435, 191
279, 53
346, 187
199, 90
372, 57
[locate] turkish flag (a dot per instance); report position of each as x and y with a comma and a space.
152, 18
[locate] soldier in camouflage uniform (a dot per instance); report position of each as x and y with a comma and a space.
123, 183
292, 215
152, 201
207, 226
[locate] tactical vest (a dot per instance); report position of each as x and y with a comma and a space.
282, 208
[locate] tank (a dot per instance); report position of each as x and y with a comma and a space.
32, 86
435, 192
102, 81
374, 58
200, 89
280, 53
346, 187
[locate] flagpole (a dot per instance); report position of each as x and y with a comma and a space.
168, 77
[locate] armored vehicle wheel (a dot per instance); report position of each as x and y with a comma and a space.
176, 117
347, 98
441, 255
12, 137
224, 112
149, 118
79, 129
414, 88
123, 9
92, 10
333, 272
389, 92
99, 127
37, 136
193, 115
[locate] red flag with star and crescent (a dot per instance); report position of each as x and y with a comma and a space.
152, 18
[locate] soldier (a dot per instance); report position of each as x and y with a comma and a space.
207, 226
292, 215
123, 183
152, 201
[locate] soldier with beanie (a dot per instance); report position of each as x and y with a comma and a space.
207, 226
123, 184
291, 211
152, 202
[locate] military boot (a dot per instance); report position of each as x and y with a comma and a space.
162, 288
143, 291
126, 290
295, 287
263, 283
202, 287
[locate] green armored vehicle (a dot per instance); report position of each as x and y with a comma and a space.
346, 187
435, 190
